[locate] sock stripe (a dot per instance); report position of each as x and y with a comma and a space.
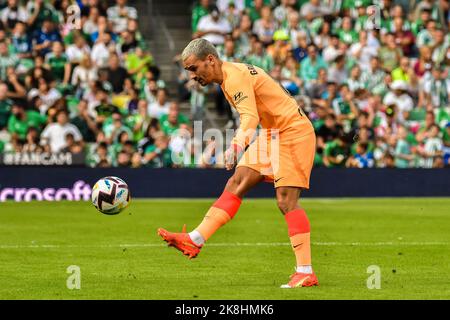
229, 203
297, 222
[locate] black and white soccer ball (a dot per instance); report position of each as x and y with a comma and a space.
110, 195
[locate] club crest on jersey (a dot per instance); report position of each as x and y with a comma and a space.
238, 97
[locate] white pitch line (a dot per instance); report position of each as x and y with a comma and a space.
234, 244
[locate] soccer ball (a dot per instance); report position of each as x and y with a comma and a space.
110, 195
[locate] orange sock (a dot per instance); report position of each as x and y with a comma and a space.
222, 211
299, 234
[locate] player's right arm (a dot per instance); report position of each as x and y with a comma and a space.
239, 88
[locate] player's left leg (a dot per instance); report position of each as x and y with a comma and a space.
220, 213
227, 205
299, 234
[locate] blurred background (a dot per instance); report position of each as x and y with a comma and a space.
100, 84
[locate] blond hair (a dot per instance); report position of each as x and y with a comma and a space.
200, 48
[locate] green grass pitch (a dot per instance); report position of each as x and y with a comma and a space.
121, 257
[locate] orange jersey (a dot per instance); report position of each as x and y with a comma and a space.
259, 99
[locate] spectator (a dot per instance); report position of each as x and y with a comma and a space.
138, 63
223, 5
150, 91
328, 132
45, 36
314, 9
333, 49
301, 51
433, 147
403, 38
119, 14
102, 49
338, 73
389, 53
362, 52
158, 155
101, 158
200, 10
6, 59
16, 86
280, 49
259, 57
103, 108
123, 159
32, 141
403, 153
5, 106
362, 157
213, 27
77, 51
116, 73
136, 160
47, 96
311, 65
114, 127
335, 153
403, 102
373, 77
425, 36
72, 146
230, 13
84, 122
265, 27
424, 63
436, 89
54, 134
13, 13
242, 35
21, 42
293, 29
318, 88
58, 63
39, 11
139, 120
440, 45
83, 74
347, 34
128, 42
322, 36
20, 120
173, 120
90, 26
161, 106
280, 12
289, 76
253, 8
355, 82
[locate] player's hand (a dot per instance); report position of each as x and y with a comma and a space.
231, 156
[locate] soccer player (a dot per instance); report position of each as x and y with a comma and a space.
290, 149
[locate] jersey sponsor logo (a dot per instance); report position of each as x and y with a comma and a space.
239, 97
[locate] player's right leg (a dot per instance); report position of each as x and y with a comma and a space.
221, 212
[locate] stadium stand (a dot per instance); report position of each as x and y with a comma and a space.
373, 77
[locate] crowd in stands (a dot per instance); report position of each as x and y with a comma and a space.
78, 77
373, 77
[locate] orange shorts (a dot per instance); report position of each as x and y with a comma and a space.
286, 159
